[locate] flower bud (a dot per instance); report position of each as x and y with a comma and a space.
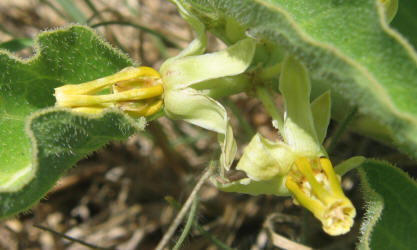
188, 81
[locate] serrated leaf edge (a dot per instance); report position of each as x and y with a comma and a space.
30, 117
37, 53
29, 132
375, 200
374, 205
38, 50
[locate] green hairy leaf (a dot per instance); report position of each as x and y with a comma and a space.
347, 46
406, 20
36, 151
391, 203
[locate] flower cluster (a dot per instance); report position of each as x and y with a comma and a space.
186, 88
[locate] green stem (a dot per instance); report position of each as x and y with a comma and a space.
93, 8
211, 237
73, 11
130, 8
197, 226
141, 27
198, 45
155, 116
348, 165
270, 71
54, 8
188, 225
341, 128
249, 131
264, 95
180, 216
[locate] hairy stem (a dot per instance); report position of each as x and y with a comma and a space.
264, 95
177, 221
340, 129
188, 225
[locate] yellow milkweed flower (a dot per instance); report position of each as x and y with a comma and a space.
298, 165
186, 87
316, 186
134, 90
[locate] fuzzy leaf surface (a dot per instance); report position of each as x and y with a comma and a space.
347, 47
36, 151
391, 204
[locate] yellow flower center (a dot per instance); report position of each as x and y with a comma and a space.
136, 91
316, 186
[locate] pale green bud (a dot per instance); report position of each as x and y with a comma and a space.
183, 101
190, 78
264, 160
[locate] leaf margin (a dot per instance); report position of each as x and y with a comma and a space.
373, 199
138, 124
